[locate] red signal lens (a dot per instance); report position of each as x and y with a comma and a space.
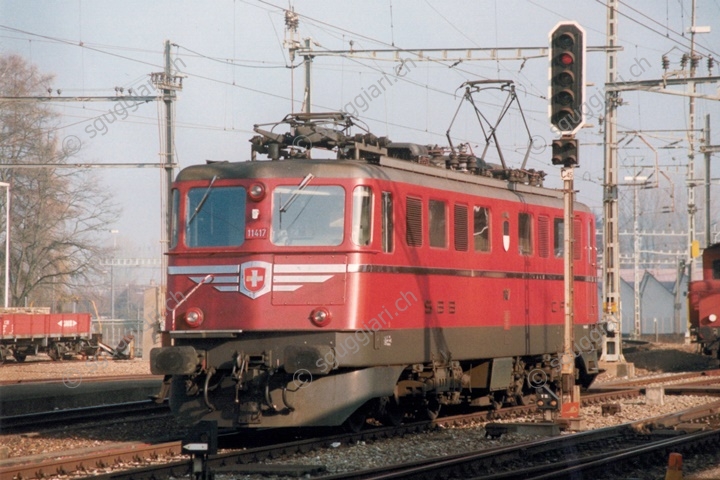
566, 59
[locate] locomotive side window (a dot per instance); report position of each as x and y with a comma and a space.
559, 236
437, 213
388, 227
525, 234
716, 269
309, 216
413, 222
481, 229
362, 216
174, 218
215, 216
461, 228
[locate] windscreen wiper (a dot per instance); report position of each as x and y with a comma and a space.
202, 201
303, 184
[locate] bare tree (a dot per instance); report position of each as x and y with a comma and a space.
57, 214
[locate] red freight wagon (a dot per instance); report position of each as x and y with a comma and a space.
57, 334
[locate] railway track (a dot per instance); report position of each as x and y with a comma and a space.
696, 383
70, 378
612, 451
95, 462
44, 420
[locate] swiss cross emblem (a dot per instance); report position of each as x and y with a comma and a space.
255, 278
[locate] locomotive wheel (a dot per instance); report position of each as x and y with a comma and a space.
432, 409
392, 414
19, 357
355, 422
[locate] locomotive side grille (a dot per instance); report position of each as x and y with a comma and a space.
413, 222
577, 239
543, 236
461, 228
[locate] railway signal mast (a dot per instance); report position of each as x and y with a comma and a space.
566, 96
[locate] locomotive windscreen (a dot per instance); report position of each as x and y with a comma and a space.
215, 217
314, 216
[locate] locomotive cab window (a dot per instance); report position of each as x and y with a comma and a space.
215, 217
310, 215
362, 216
716, 269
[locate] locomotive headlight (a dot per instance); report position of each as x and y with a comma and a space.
256, 192
320, 316
712, 318
194, 317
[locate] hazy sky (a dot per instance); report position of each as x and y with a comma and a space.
237, 75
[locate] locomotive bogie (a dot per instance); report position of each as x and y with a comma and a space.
275, 378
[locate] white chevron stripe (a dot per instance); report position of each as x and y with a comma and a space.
285, 288
309, 268
301, 278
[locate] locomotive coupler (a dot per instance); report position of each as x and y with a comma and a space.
206, 390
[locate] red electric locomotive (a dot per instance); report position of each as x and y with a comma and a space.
385, 282
704, 303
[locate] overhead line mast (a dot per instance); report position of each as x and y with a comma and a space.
169, 83
612, 308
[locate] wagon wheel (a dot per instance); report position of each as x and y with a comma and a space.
53, 353
19, 357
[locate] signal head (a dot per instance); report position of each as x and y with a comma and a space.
565, 152
567, 82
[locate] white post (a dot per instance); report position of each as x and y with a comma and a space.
568, 363
7, 244
656, 330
